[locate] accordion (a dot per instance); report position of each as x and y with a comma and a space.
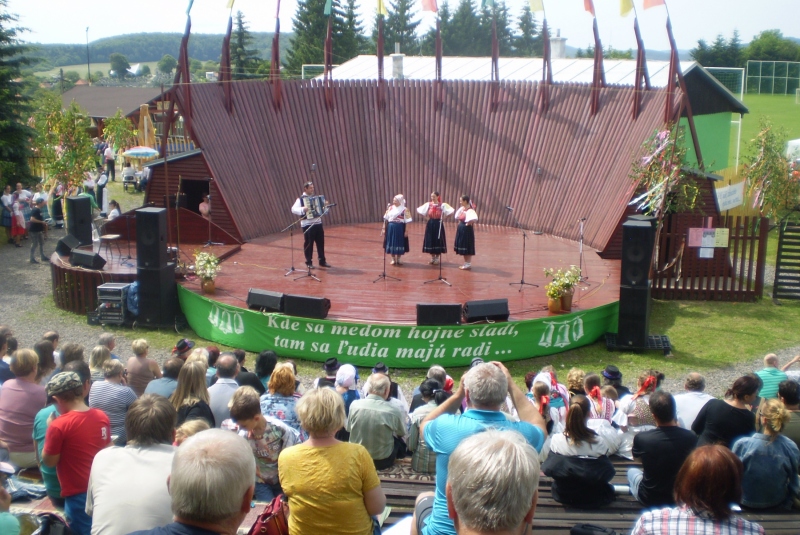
316, 205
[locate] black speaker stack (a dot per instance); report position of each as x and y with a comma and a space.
66, 244
79, 219
638, 241
157, 289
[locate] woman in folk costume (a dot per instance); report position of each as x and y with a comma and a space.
395, 220
435, 242
601, 407
465, 233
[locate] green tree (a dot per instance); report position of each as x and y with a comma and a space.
734, 52
119, 131
244, 59
505, 36
349, 40
119, 65
145, 70
463, 35
167, 64
400, 26
14, 107
528, 42
309, 26
771, 45
701, 53
767, 172
72, 76
97, 75
428, 42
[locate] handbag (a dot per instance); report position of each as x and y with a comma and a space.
272, 521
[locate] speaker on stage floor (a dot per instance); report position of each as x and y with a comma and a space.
439, 313
66, 244
79, 219
151, 238
265, 300
306, 306
634, 316
158, 297
637, 252
486, 310
87, 259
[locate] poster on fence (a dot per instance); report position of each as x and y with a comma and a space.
730, 197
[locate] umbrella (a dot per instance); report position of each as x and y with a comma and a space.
140, 152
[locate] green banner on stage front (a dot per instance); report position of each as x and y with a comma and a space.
400, 346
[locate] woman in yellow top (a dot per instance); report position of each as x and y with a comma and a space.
332, 486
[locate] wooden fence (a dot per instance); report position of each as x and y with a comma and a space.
735, 273
75, 288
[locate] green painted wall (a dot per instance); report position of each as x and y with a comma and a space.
714, 131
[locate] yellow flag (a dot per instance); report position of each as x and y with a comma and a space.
625, 7
382, 8
536, 5
230, 4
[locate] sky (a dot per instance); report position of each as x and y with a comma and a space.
65, 21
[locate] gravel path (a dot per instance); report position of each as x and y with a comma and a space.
26, 306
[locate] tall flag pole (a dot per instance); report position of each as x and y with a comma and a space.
641, 59
495, 55
225, 65
275, 62
381, 82
599, 75
547, 67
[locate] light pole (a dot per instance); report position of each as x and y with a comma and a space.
88, 65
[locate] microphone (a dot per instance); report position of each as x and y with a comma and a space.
509, 209
313, 167
582, 219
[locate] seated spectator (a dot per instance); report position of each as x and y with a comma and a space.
141, 370
247, 378
190, 398
97, 358
707, 485
575, 378
613, 377
113, 398
211, 372
722, 422
435, 372
21, 399
634, 411
689, 403
610, 392
168, 382
789, 394
770, 461
377, 425
298, 385
265, 365
267, 438
539, 396
11, 347
483, 500
280, 402
70, 352
199, 354
5, 369
47, 364
188, 429
114, 210
221, 392
142, 185
346, 378
183, 348
771, 376
395, 392
600, 407
110, 341
119, 503
211, 485
73, 439
559, 395
423, 459
320, 503
128, 173
662, 451
331, 366
9, 524
53, 338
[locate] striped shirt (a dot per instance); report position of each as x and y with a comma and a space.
771, 377
685, 521
114, 400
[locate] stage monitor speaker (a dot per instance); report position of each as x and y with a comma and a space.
637, 252
439, 313
158, 296
79, 219
264, 299
634, 316
66, 244
486, 310
653, 220
306, 306
87, 259
151, 238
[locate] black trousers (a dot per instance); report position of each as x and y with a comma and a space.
398, 452
314, 235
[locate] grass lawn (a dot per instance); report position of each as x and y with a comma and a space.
81, 68
780, 109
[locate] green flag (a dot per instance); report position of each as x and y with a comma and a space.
487, 3
328, 6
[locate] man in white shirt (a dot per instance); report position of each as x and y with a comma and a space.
110, 164
221, 392
689, 403
102, 180
312, 229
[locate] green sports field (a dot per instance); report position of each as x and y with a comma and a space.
780, 109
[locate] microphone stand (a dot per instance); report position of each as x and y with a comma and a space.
290, 228
383, 274
308, 267
580, 252
128, 235
439, 278
521, 282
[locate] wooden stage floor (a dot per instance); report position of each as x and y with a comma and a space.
355, 253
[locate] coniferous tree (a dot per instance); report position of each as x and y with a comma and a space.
528, 42
733, 51
350, 40
463, 35
244, 60
15, 134
505, 37
428, 41
399, 27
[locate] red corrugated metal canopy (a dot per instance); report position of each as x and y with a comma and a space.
553, 167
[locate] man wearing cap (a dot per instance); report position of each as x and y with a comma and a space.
36, 231
613, 377
72, 440
183, 348
331, 366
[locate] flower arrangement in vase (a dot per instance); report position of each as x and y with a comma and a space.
560, 290
206, 266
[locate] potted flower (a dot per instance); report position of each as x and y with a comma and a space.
560, 290
206, 266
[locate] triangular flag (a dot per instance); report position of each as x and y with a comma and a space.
230, 4
382, 8
588, 5
429, 5
625, 7
328, 7
653, 3
537, 5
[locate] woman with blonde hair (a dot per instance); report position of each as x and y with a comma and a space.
280, 401
320, 503
188, 429
575, 382
99, 356
141, 370
191, 397
770, 461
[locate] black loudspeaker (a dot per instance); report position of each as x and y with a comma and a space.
79, 219
151, 238
489, 309
637, 252
66, 244
653, 220
438, 314
264, 299
306, 306
87, 259
158, 296
634, 316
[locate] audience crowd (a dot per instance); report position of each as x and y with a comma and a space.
134, 448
